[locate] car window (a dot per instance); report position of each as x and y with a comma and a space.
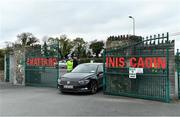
100, 68
85, 68
62, 61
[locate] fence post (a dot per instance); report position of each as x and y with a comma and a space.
177, 70
23, 64
167, 74
58, 74
7, 68
104, 70
5, 71
25, 59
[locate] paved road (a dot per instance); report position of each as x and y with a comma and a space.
30, 101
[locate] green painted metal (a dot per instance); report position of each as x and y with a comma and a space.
152, 84
7, 60
167, 72
178, 70
42, 76
104, 76
58, 71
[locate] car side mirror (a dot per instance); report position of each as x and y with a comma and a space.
99, 73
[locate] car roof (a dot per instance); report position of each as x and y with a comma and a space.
93, 63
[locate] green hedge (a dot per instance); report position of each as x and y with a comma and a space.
87, 60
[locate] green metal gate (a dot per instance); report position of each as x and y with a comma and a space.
178, 70
41, 68
139, 70
7, 67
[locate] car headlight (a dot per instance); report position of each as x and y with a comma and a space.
59, 80
83, 82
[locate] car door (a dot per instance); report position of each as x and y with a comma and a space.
100, 75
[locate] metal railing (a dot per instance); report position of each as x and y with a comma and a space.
152, 83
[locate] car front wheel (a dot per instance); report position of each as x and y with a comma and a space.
94, 87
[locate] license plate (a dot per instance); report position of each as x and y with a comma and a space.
68, 86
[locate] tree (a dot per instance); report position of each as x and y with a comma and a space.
79, 47
26, 39
9, 47
65, 45
51, 46
44, 48
89, 54
53, 41
96, 47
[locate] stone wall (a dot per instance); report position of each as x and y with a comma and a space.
172, 71
1, 75
15, 69
122, 40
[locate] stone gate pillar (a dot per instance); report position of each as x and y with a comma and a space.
19, 65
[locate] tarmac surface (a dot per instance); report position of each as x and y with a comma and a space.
41, 101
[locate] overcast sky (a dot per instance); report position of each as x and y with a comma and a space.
90, 19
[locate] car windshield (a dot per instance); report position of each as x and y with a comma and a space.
85, 68
62, 61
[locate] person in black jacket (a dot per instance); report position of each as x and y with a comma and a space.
75, 62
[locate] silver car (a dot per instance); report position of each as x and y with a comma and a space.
62, 64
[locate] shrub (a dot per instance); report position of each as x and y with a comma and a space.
88, 60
